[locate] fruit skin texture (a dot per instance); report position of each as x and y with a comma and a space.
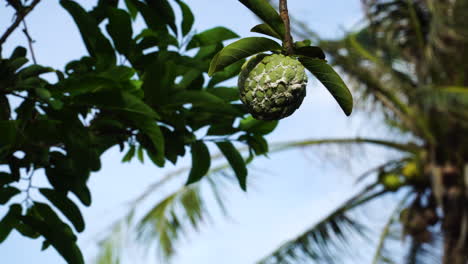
272, 86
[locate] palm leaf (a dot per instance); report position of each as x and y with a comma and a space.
326, 241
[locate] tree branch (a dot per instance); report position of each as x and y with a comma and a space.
20, 15
288, 42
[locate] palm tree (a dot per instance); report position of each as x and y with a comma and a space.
409, 62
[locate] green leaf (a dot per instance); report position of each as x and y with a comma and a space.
33, 70
310, 52
120, 29
332, 81
163, 11
303, 43
226, 93
66, 206
201, 161
115, 100
228, 73
236, 161
132, 10
158, 81
140, 154
7, 193
96, 43
239, 50
130, 153
17, 63
258, 144
9, 220
59, 234
18, 52
211, 37
205, 100
267, 13
6, 178
188, 19
255, 126
152, 130
266, 30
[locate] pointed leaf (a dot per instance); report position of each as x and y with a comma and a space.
236, 161
201, 161
266, 30
253, 125
132, 10
241, 49
66, 206
211, 37
332, 81
188, 19
267, 13
228, 73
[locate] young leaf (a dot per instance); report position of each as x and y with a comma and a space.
66, 206
310, 52
201, 161
240, 49
267, 13
332, 81
211, 37
266, 30
188, 19
236, 161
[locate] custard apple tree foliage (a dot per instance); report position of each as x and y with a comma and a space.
137, 90
272, 85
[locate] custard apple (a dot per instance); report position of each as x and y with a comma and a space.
272, 86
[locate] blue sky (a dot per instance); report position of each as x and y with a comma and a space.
289, 191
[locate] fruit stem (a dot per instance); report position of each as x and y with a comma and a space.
288, 41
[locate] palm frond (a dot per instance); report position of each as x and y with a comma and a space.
326, 241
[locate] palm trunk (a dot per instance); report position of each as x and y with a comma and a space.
455, 224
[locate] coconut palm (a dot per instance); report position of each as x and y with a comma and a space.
408, 62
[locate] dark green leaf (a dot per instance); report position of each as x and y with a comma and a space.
18, 52
45, 245
132, 10
258, 144
221, 129
225, 93
6, 178
253, 125
59, 234
236, 161
7, 193
98, 46
266, 30
66, 206
239, 50
153, 132
228, 73
8, 221
311, 52
204, 99
188, 19
158, 81
163, 11
120, 29
267, 13
211, 37
332, 81
140, 154
17, 63
201, 161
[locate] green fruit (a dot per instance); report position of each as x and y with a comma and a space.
272, 86
410, 171
391, 181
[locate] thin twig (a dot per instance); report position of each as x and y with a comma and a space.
20, 15
288, 41
30, 41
